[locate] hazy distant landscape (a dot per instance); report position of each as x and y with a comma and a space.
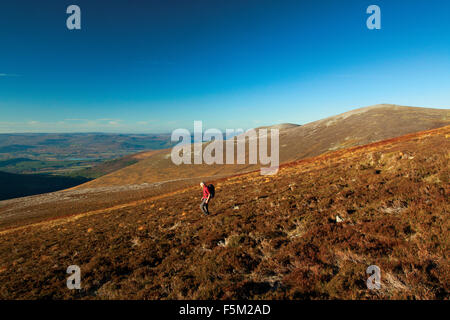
36, 163
82, 147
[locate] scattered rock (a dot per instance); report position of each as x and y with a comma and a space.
135, 242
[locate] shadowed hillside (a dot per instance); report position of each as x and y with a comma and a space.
21, 185
309, 232
357, 127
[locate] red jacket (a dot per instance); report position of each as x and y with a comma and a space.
206, 192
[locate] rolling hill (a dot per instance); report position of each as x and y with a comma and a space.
353, 128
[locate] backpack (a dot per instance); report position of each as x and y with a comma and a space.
211, 190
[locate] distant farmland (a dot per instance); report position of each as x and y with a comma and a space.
64, 153
37, 163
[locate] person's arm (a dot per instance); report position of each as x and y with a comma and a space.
209, 195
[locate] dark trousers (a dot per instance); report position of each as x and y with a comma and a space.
204, 206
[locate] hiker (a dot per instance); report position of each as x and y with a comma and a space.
208, 193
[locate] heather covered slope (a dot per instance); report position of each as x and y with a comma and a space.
154, 173
353, 128
360, 127
268, 237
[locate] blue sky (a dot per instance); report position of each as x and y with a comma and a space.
153, 66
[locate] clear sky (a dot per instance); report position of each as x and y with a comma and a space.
153, 66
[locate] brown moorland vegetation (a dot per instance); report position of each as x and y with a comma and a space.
271, 237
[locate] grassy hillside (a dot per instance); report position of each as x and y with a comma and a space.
104, 168
268, 237
110, 166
